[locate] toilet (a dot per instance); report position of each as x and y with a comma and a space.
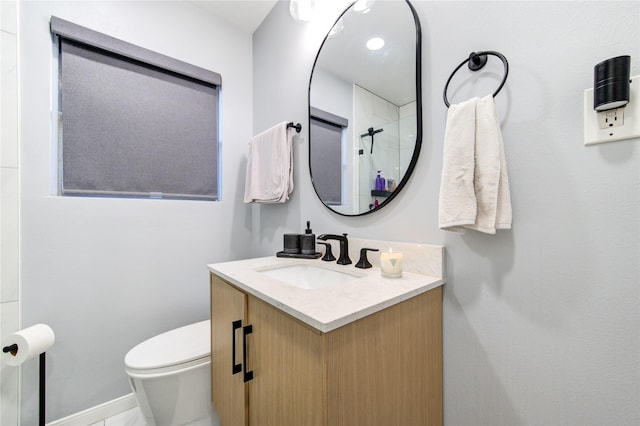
170, 375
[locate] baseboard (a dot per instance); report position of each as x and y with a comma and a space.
99, 412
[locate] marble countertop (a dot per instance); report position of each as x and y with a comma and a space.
331, 307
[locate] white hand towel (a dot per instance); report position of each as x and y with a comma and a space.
490, 196
491, 179
457, 203
504, 215
269, 177
487, 170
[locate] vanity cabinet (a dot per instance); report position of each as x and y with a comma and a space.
383, 369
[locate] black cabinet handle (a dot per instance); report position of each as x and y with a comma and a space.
247, 375
235, 368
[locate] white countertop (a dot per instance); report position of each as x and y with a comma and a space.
331, 307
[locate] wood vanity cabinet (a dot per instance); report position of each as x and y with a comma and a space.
383, 369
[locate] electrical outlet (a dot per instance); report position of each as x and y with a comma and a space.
611, 118
613, 125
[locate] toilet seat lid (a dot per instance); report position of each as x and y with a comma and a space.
174, 347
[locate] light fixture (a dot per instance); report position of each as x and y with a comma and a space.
611, 83
363, 6
375, 43
302, 10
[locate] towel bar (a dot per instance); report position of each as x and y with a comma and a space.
298, 126
476, 61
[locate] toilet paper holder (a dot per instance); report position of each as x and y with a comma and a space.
13, 349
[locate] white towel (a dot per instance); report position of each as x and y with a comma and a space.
269, 176
457, 204
504, 215
474, 190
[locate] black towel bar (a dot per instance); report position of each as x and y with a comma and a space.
476, 61
298, 126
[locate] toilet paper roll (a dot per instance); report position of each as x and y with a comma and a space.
27, 343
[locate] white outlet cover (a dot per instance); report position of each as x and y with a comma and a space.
593, 134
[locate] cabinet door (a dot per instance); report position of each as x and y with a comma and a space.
228, 393
386, 369
286, 358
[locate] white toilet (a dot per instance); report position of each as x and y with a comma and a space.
170, 376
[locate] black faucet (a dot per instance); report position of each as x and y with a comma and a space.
364, 263
343, 259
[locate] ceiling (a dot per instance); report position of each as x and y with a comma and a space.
344, 56
244, 14
388, 72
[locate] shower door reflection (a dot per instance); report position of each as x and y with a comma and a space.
389, 150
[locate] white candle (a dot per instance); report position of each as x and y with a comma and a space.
391, 264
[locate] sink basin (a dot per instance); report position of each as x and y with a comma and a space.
308, 277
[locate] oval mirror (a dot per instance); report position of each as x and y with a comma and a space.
365, 107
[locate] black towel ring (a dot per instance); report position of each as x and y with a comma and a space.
476, 61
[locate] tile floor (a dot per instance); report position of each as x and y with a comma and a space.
132, 417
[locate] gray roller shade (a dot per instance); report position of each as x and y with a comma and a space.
140, 125
326, 155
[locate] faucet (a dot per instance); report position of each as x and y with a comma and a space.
343, 259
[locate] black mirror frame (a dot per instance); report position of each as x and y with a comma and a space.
418, 145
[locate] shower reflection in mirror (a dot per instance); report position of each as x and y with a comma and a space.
363, 108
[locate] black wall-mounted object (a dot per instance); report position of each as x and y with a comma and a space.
476, 61
297, 126
378, 193
371, 132
611, 83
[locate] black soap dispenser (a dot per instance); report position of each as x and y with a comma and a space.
308, 241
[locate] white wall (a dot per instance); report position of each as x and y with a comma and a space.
109, 273
9, 202
541, 323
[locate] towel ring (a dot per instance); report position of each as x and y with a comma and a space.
476, 61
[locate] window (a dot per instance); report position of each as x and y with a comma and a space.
134, 123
